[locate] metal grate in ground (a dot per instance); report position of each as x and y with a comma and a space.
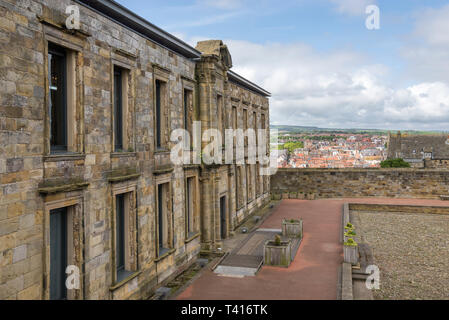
246, 259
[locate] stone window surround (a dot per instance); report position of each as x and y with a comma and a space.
127, 62
258, 186
124, 97
249, 180
74, 48
220, 115
196, 210
75, 231
189, 85
131, 250
163, 75
218, 213
239, 187
245, 127
164, 179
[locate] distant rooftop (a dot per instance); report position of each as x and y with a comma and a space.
416, 146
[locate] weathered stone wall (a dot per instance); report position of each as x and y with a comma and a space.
374, 207
436, 164
26, 166
241, 98
33, 181
217, 91
354, 183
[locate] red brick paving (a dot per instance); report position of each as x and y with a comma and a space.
313, 273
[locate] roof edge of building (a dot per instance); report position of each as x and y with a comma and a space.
236, 78
131, 20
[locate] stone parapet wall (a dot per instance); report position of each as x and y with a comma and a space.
436, 164
355, 183
375, 207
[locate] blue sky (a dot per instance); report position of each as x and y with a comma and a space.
323, 66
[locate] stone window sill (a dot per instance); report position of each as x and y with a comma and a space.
190, 166
64, 157
123, 154
124, 178
125, 281
162, 151
192, 237
165, 255
163, 169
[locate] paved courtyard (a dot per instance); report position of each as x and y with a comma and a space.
314, 272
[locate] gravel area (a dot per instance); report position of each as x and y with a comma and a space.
411, 251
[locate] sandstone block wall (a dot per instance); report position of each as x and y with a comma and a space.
222, 105
26, 166
355, 183
33, 182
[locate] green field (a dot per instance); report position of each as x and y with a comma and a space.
283, 129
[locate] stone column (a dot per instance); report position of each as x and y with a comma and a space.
206, 209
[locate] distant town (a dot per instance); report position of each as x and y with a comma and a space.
311, 147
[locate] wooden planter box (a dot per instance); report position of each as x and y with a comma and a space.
292, 229
280, 256
351, 254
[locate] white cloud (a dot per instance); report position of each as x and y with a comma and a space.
352, 7
337, 89
343, 89
427, 48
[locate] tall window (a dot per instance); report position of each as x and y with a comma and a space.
245, 125
191, 222
57, 68
255, 125
249, 190
158, 115
58, 253
160, 213
164, 234
161, 114
267, 141
188, 113
125, 238
234, 117
257, 168
238, 189
120, 234
188, 110
118, 109
220, 120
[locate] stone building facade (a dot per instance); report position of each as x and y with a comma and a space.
313, 184
85, 173
421, 151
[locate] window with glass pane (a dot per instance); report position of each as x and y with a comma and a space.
158, 115
57, 100
58, 253
160, 199
190, 206
120, 234
118, 109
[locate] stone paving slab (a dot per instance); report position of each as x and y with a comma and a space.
313, 273
247, 261
236, 271
247, 258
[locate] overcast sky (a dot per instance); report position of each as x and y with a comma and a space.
322, 65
